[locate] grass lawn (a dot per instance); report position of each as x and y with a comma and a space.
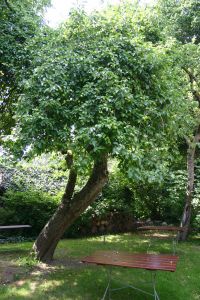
68, 279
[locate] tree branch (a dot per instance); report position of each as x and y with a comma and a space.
192, 79
196, 95
71, 183
8, 5
69, 159
197, 135
93, 186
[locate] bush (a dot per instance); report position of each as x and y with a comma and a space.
161, 201
29, 207
196, 223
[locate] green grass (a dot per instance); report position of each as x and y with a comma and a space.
80, 282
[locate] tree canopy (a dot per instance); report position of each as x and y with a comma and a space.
97, 86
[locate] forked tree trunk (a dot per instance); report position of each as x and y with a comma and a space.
71, 207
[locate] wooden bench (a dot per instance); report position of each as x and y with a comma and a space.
174, 229
150, 262
162, 228
8, 227
14, 226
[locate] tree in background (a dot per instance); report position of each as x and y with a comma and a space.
181, 21
20, 20
96, 89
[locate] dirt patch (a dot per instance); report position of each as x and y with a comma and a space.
10, 272
42, 269
67, 263
13, 273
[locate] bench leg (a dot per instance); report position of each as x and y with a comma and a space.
153, 277
175, 243
150, 244
107, 291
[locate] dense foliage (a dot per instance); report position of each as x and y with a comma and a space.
46, 173
20, 21
102, 89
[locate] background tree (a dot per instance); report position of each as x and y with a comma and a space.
20, 20
97, 89
181, 20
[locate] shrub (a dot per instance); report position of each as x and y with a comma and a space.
196, 223
29, 207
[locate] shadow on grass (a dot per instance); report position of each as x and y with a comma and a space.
14, 251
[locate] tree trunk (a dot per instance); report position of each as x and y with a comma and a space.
71, 207
186, 217
187, 212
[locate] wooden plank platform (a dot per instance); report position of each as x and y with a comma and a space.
131, 260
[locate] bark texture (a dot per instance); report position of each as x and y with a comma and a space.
71, 207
